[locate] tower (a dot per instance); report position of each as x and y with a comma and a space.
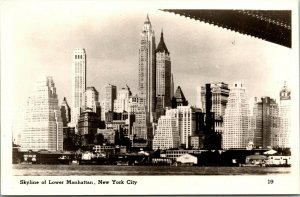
147, 68
179, 99
91, 100
43, 127
110, 96
167, 134
78, 84
285, 118
236, 119
65, 112
172, 86
163, 74
219, 98
121, 104
266, 123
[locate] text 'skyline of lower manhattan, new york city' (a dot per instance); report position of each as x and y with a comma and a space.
79, 182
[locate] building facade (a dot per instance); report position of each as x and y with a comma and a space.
186, 122
166, 135
121, 104
65, 112
266, 117
91, 100
110, 96
141, 125
283, 137
237, 118
43, 126
88, 124
78, 84
179, 99
220, 94
147, 68
163, 74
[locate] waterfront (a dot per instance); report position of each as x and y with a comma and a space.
93, 170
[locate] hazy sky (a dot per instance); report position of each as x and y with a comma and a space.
39, 38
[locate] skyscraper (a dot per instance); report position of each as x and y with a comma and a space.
220, 94
186, 122
283, 138
179, 99
147, 68
163, 74
141, 131
78, 83
265, 115
236, 118
167, 134
109, 97
172, 86
65, 112
43, 127
91, 100
121, 104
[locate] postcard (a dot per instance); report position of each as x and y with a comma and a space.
149, 98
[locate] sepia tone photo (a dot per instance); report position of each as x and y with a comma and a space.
100, 90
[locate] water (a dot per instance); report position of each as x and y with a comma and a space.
92, 170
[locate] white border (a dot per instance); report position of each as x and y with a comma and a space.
284, 184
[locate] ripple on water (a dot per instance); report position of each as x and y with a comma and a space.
92, 170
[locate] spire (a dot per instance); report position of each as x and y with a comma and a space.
285, 93
180, 98
162, 35
162, 46
147, 20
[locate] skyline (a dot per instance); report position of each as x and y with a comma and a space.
200, 53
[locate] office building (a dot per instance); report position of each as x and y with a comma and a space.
236, 118
147, 68
65, 112
172, 86
133, 104
266, 117
88, 124
283, 138
110, 96
186, 122
91, 100
140, 126
43, 126
220, 94
121, 104
179, 99
78, 84
166, 135
163, 74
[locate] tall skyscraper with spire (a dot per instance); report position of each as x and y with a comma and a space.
147, 68
78, 84
163, 74
43, 126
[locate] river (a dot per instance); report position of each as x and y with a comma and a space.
93, 170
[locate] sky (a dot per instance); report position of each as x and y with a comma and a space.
38, 39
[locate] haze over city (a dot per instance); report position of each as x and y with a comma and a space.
200, 53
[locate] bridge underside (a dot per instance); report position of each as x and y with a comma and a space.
270, 25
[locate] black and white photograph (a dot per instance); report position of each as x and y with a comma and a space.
140, 97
